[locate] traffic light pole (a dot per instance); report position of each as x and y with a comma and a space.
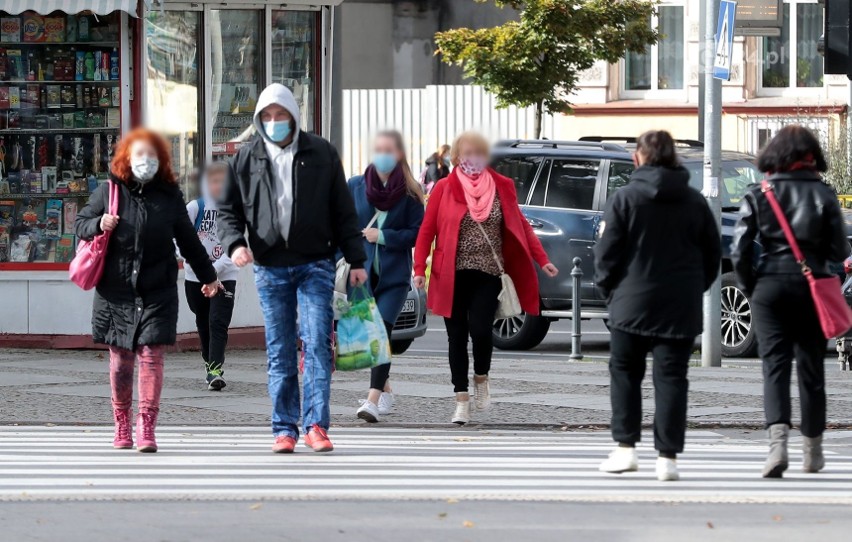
711, 339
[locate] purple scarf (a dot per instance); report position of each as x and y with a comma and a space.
384, 197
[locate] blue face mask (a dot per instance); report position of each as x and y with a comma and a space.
385, 163
277, 130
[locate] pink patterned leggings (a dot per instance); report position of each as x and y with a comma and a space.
121, 364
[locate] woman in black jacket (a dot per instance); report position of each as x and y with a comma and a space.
785, 320
658, 252
136, 301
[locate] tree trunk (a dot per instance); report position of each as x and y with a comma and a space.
539, 110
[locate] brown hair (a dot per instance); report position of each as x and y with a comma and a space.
657, 147
121, 161
411, 183
793, 147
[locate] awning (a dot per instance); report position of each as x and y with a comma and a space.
101, 7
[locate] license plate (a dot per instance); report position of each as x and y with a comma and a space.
408, 306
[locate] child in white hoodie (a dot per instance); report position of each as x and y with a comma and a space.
212, 315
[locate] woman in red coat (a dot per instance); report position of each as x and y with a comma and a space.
471, 211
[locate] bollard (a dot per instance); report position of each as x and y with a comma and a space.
576, 331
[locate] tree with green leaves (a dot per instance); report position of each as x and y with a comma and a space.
537, 60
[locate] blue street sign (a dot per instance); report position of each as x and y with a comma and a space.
725, 40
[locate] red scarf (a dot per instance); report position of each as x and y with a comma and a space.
478, 193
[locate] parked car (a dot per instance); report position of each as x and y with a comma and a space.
411, 323
563, 187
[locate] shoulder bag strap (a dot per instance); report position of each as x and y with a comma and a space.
372, 220
767, 189
113, 197
491, 246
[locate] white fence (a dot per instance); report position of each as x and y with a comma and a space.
428, 118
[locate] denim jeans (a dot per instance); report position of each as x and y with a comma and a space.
281, 290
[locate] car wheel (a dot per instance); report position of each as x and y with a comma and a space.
521, 332
738, 338
399, 347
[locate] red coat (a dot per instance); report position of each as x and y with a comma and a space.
444, 213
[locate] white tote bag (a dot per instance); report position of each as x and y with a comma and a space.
341, 272
509, 304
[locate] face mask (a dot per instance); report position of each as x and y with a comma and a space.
144, 168
277, 130
473, 167
385, 163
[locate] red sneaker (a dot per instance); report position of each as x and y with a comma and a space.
284, 444
317, 439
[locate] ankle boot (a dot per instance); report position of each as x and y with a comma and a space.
778, 461
813, 460
123, 429
146, 442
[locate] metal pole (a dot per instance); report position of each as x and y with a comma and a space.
576, 331
711, 339
702, 25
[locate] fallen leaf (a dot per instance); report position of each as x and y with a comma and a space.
777, 518
442, 515
452, 501
462, 439
467, 524
256, 506
710, 525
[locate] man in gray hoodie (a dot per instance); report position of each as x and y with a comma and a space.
286, 191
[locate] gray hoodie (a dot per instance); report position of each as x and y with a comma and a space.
281, 158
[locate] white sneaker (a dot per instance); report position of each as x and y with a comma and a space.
368, 412
462, 415
386, 401
667, 470
621, 460
482, 395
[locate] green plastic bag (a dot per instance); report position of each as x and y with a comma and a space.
362, 340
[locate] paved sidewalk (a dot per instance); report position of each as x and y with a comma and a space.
38, 387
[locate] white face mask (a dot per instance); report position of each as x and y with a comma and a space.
144, 168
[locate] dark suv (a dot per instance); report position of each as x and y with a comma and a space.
563, 187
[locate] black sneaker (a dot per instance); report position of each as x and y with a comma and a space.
215, 382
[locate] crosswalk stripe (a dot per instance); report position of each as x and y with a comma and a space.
384, 463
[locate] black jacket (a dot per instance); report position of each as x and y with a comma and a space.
813, 211
436, 169
323, 218
658, 252
136, 301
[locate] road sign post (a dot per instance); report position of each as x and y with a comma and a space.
718, 48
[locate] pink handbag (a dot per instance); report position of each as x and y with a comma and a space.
87, 267
834, 314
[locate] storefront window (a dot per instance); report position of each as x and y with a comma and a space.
236, 59
173, 88
60, 117
293, 59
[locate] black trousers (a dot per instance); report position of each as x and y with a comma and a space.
627, 370
212, 319
474, 304
788, 328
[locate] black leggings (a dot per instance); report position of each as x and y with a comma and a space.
474, 304
212, 319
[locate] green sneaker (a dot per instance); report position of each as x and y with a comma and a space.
215, 382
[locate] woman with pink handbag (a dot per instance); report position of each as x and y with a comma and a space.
795, 219
135, 311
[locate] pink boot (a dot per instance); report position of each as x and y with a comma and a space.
123, 429
146, 442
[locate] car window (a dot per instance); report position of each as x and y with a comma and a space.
738, 176
569, 185
619, 176
521, 169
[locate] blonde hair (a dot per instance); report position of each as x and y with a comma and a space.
411, 183
469, 138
